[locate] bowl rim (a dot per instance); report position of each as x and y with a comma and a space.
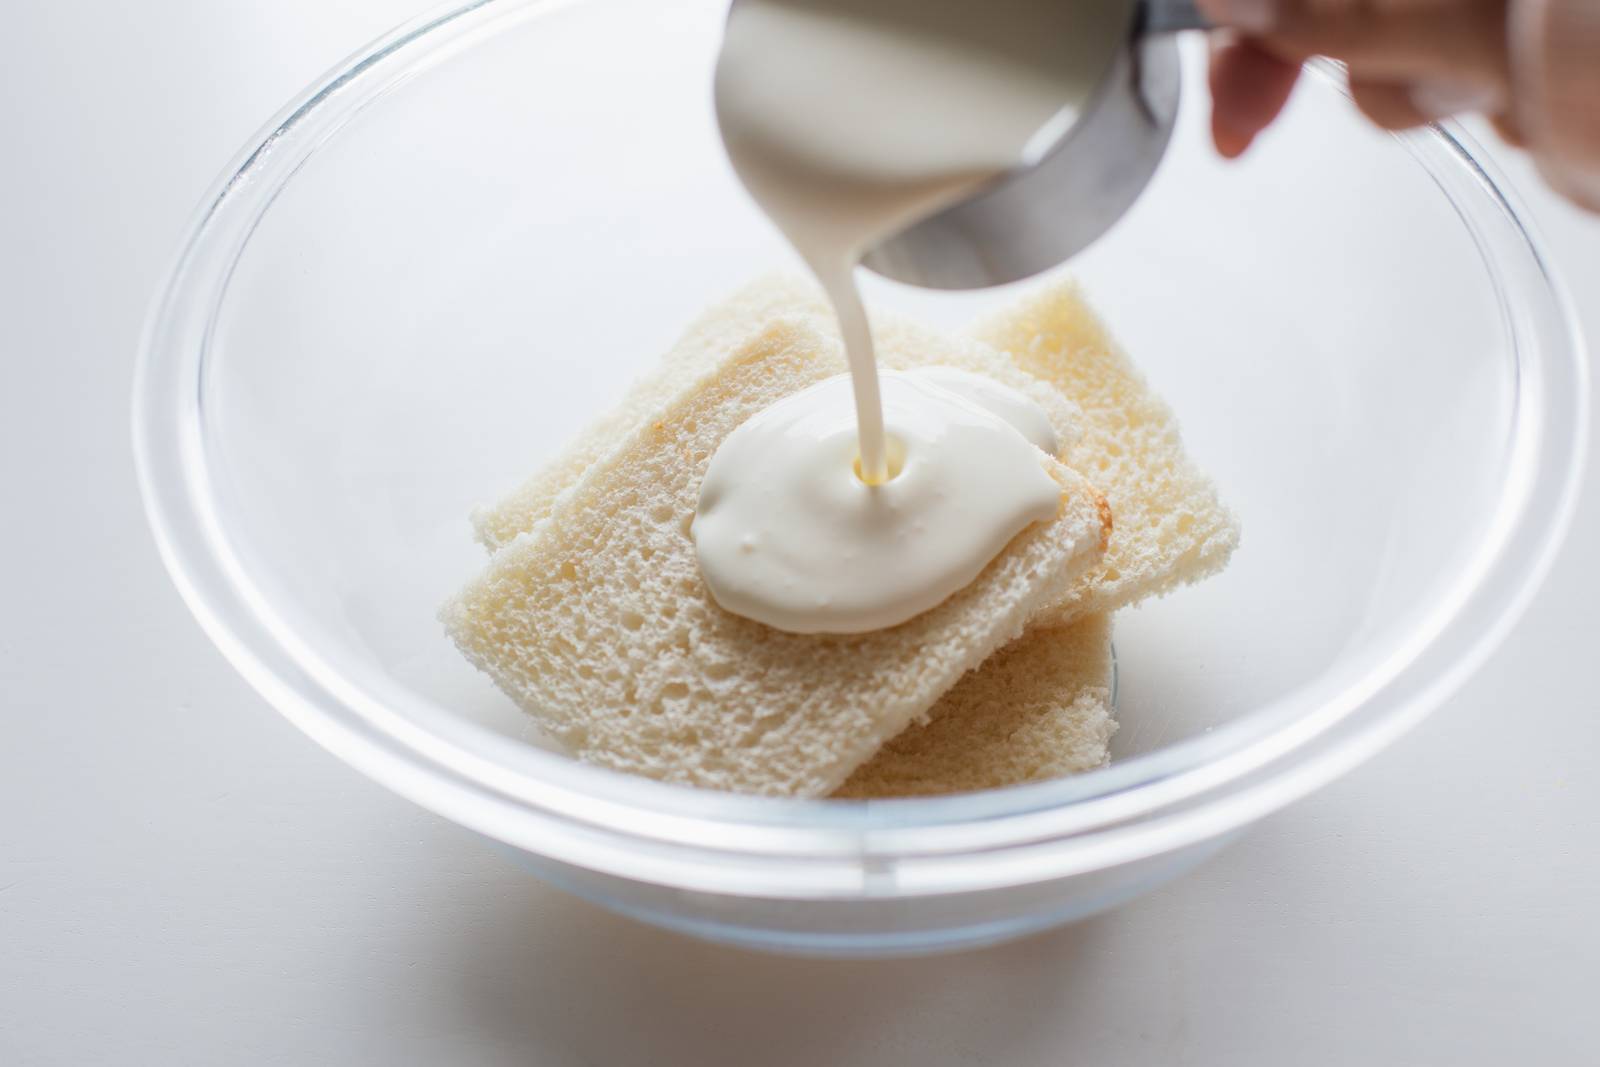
647, 831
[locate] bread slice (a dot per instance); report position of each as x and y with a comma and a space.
1171, 528
598, 623
703, 346
1039, 708
901, 344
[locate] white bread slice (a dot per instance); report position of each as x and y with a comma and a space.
598, 623
708, 340
1171, 529
1039, 708
901, 344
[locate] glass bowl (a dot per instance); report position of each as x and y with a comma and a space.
439, 263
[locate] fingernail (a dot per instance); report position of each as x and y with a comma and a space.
1247, 16
1232, 146
1231, 143
1439, 100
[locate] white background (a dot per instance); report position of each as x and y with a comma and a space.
184, 879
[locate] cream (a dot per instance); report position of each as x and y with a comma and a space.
848, 120
789, 534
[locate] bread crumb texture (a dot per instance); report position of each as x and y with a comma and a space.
1170, 527
1040, 708
595, 620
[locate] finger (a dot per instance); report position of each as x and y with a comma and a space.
1392, 40
1246, 16
1390, 105
1395, 106
1509, 131
1249, 87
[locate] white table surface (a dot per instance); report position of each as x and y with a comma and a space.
185, 879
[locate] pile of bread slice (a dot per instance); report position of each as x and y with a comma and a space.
591, 613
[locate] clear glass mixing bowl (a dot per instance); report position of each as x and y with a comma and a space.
439, 263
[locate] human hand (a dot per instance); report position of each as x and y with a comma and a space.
1531, 66
1410, 61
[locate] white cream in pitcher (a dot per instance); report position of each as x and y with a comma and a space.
848, 120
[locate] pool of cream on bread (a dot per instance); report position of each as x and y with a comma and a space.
821, 552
